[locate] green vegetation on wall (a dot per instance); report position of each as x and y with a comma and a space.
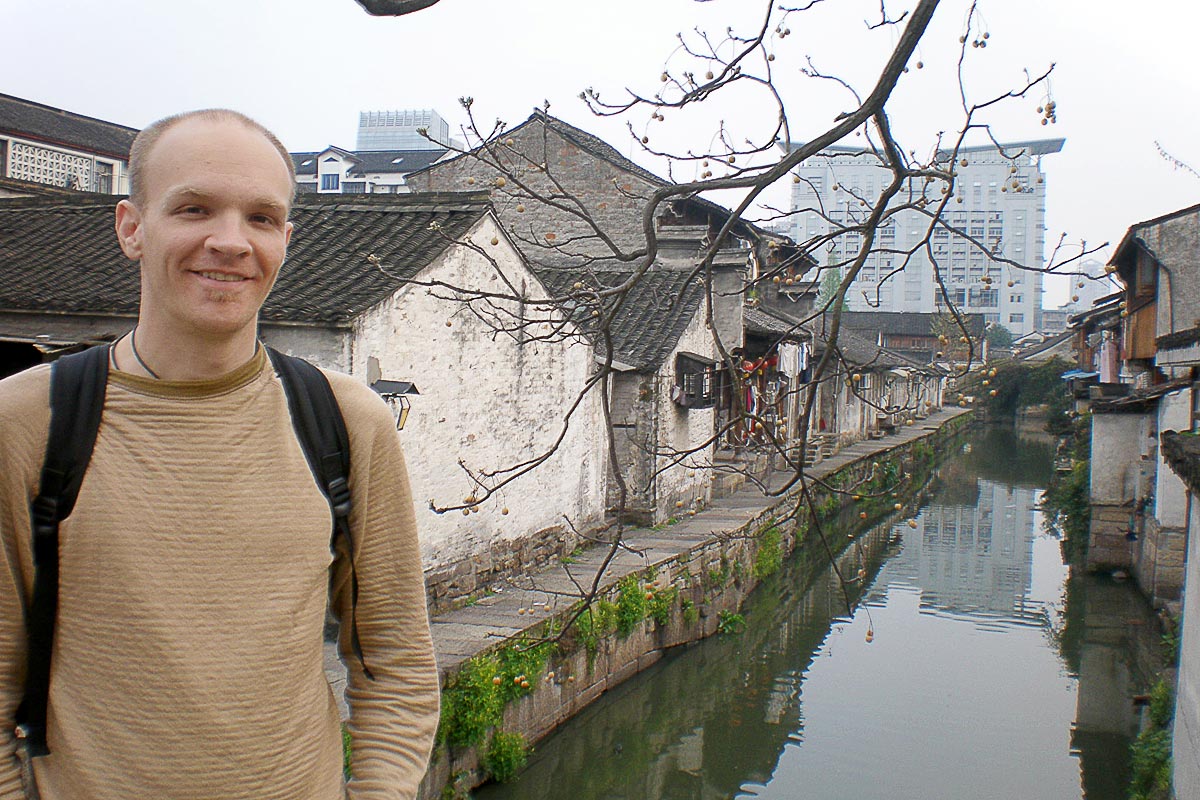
1018, 384
769, 558
505, 756
473, 702
631, 605
1150, 754
1067, 499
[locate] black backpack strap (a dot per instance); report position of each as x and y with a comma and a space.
77, 387
322, 433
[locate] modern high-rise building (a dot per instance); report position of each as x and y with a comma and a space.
401, 130
998, 201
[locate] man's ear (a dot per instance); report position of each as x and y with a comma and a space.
129, 230
288, 227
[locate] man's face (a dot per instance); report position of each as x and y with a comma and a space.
210, 231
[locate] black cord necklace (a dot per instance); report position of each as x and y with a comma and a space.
137, 356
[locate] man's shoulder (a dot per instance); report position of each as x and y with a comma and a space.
24, 418
27, 392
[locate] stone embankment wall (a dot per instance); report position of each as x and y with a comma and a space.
532, 683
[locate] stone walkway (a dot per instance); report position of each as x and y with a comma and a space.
460, 634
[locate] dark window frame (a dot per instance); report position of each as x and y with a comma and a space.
695, 381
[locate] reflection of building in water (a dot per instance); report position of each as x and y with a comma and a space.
1107, 645
972, 560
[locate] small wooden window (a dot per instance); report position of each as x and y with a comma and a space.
695, 379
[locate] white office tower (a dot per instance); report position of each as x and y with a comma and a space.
400, 130
998, 205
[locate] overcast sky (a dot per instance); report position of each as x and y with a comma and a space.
1126, 76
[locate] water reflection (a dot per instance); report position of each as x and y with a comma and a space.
990, 674
972, 561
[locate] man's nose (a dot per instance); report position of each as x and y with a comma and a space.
228, 235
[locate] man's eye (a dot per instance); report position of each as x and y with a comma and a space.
191, 210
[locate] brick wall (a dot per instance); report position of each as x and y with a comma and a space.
540, 161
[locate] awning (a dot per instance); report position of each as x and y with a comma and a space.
1078, 373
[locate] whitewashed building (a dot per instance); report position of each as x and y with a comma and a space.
48, 146
383, 288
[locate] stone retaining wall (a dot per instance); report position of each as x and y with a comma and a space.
706, 584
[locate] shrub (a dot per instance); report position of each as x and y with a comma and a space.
596, 622
472, 703
1162, 703
691, 614
769, 558
521, 664
1068, 502
506, 755
730, 622
1150, 754
659, 605
1151, 760
631, 605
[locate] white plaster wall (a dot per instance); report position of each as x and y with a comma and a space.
1170, 493
1186, 744
488, 401
325, 347
690, 481
1116, 462
854, 415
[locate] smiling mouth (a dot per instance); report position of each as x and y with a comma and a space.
222, 276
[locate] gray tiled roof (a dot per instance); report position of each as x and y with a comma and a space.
904, 323
654, 314
859, 351
53, 125
374, 161
12, 187
762, 323
62, 255
856, 349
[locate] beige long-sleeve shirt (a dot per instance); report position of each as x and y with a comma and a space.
193, 585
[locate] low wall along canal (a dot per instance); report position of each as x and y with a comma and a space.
687, 582
991, 672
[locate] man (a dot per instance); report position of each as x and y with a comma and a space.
195, 566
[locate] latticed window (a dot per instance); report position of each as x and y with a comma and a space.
694, 380
43, 165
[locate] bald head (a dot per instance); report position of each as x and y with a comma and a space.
144, 143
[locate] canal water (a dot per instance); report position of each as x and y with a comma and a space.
966, 664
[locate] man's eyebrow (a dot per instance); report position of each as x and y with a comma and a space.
191, 193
